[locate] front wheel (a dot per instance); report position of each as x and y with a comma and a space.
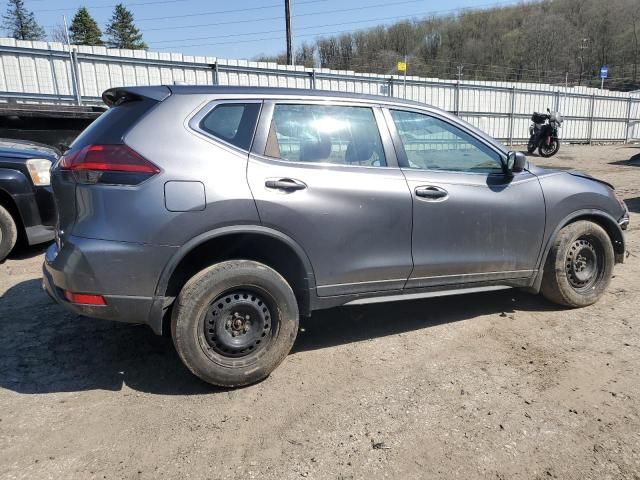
233, 323
579, 265
531, 146
549, 149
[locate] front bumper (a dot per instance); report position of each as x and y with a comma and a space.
122, 273
37, 213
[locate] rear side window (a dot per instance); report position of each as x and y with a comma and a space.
233, 123
325, 134
113, 125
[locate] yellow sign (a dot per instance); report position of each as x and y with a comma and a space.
402, 66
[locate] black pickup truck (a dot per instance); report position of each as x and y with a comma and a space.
27, 210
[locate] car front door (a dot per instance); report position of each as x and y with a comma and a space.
471, 221
325, 176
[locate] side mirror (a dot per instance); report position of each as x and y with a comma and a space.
516, 161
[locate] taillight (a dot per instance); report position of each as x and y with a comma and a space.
113, 164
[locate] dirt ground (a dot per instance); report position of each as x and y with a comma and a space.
499, 385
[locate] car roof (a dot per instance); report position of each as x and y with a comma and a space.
292, 92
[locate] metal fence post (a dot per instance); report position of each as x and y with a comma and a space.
391, 86
628, 126
216, 73
593, 103
512, 114
75, 76
457, 98
557, 107
312, 79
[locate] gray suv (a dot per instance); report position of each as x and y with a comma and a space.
224, 214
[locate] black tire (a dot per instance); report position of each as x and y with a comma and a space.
8, 233
531, 146
579, 265
550, 150
233, 323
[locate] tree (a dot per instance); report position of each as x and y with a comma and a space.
305, 55
58, 34
84, 29
121, 31
21, 23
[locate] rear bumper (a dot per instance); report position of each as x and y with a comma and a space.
122, 273
117, 308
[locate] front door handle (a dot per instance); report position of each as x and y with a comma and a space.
286, 184
431, 193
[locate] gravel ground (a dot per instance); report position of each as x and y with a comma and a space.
498, 385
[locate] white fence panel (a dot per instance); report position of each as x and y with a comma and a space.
43, 72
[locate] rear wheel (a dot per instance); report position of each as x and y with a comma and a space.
579, 266
8, 233
235, 322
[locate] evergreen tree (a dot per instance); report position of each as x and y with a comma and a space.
21, 23
84, 29
121, 31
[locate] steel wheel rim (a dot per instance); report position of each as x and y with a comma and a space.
551, 148
584, 264
237, 324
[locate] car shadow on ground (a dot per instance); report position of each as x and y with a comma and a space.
25, 252
633, 204
43, 349
634, 161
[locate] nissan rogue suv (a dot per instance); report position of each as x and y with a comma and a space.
223, 214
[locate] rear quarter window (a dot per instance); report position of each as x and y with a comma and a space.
233, 123
113, 125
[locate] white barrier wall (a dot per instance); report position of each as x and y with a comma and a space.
44, 72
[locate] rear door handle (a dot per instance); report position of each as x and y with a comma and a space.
431, 192
286, 184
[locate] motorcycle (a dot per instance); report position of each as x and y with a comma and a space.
544, 133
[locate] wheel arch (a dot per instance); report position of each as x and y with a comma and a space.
599, 217
247, 242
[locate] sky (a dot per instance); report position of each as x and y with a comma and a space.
244, 29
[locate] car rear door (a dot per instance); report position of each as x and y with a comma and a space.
323, 174
471, 222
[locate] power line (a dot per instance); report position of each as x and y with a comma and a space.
133, 4
309, 27
424, 14
342, 10
221, 12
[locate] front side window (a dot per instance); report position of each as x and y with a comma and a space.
232, 122
325, 134
433, 144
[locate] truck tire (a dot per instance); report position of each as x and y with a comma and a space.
234, 322
8, 233
579, 265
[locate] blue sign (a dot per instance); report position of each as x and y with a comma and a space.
604, 71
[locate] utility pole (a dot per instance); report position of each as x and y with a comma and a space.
583, 46
287, 13
460, 67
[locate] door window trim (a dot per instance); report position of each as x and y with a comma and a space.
266, 116
402, 157
194, 122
